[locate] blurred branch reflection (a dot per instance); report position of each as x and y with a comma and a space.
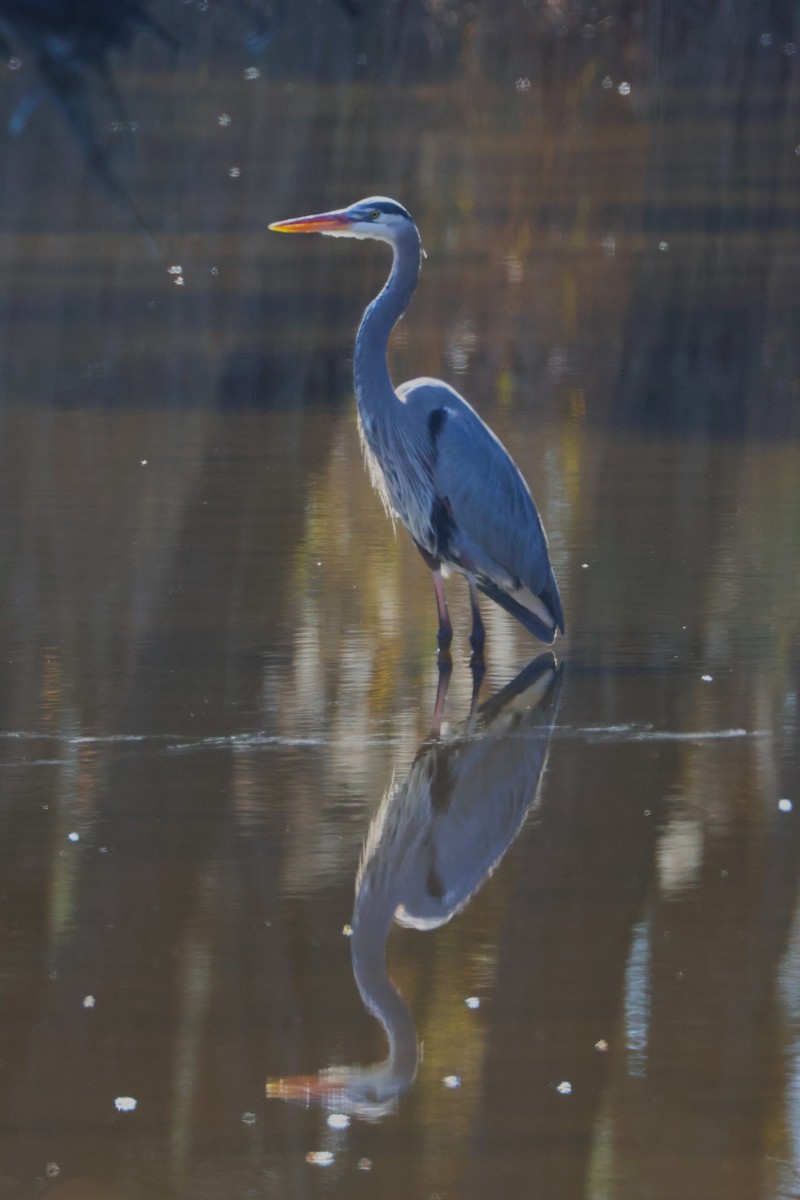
435, 839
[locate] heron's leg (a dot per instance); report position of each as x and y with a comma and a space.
445, 671
445, 625
478, 635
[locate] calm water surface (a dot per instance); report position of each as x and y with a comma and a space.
221, 775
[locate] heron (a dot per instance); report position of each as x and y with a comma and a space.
436, 465
432, 843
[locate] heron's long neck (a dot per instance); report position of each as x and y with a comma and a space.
371, 924
374, 390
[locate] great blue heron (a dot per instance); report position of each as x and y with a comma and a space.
434, 840
435, 464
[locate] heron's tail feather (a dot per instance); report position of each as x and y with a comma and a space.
532, 621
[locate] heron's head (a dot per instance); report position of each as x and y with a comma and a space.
376, 217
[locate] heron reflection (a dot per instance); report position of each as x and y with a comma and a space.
434, 840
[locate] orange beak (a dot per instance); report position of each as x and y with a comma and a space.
324, 223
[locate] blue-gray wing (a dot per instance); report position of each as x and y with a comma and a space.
487, 523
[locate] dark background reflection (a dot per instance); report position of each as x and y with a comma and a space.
215, 654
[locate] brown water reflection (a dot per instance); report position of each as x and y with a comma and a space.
215, 655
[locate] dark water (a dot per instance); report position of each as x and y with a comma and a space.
219, 673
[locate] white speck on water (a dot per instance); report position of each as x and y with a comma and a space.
797, 149
347, 931
647, 812
74, 837
564, 1088
790, 49
523, 84
601, 1045
52, 1170
584, 566
215, 271
364, 1164
14, 64
609, 245
338, 1120
319, 1158
234, 172
707, 678
624, 89
224, 120
663, 245
252, 73
452, 1081
103, 849
608, 82
88, 1001
361, 60
472, 1002
143, 462
785, 805
766, 39
125, 1103
179, 281
248, 1118
175, 269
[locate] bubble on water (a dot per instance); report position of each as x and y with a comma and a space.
663, 245
364, 1164
608, 82
248, 1118
766, 39
523, 84
601, 1045
785, 805
125, 1103
215, 271
338, 1120
472, 1002
175, 269
14, 64
609, 245
361, 60
707, 678
224, 119
179, 281
624, 89
252, 73
234, 172
347, 930
319, 1158
52, 1170
452, 1081
88, 1001
142, 462
564, 1088
74, 837
790, 49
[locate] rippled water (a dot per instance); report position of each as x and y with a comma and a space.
220, 774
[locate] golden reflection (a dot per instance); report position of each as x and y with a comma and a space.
434, 840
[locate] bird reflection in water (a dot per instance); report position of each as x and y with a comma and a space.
434, 840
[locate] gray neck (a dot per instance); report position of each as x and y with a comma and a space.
374, 390
371, 924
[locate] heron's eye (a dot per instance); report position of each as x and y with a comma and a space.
375, 214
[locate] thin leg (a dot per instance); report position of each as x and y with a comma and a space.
478, 669
478, 635
445, 626
445, 671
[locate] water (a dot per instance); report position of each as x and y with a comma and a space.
218, 774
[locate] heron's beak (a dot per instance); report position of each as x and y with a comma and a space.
332, 222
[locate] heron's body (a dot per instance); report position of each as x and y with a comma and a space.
436, 465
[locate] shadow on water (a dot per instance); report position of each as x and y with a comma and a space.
433, 842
